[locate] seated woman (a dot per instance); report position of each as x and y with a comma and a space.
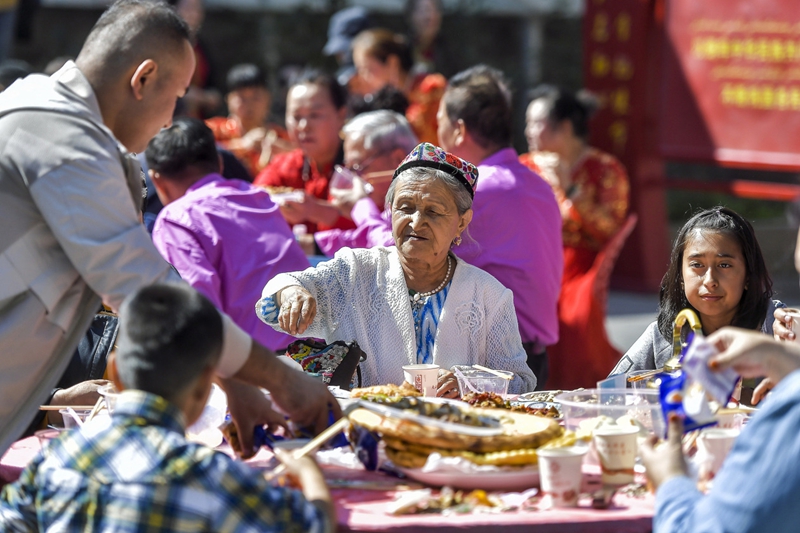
386, 58
717, 270
591, 188
316, 108
414, 302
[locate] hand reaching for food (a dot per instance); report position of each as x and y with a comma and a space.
447, 384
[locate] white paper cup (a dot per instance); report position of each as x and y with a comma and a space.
616, 448
560, 475
423, 377
713, 446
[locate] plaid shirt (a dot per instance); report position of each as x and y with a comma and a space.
139, 474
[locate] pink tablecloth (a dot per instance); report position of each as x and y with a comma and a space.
365, 510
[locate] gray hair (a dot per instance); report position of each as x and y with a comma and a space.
382, 131
460, 194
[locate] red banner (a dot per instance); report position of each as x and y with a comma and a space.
731, 82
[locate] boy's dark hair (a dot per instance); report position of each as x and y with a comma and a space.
755, 299
169, 334
387, 97
132, 30
563, 105
244, 76
187, 143
480, 96
311, 76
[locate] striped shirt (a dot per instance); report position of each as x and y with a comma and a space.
139, 474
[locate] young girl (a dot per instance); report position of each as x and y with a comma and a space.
717, 270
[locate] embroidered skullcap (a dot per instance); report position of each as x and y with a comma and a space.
430, 156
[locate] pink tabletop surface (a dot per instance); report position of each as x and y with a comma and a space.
365, 510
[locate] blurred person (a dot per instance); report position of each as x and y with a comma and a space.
12, 70
425, 22
756, 488
245, 131
515, 232
70, 198
591, 187
717, 270
138, 471
344, 25
224, 237
413, 302
375, 143
385, 58
201, 100
316, 108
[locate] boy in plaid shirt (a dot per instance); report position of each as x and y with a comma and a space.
138, 472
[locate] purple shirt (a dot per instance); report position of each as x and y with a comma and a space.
228, 239
515, 235
374, 228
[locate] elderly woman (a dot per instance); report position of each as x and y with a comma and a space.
414, 302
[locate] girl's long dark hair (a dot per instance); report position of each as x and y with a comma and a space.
755, 299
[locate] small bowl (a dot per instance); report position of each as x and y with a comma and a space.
482, 381
69, 420
110, 395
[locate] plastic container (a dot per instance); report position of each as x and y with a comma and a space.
641, 405
482, 381
69, 420
109, 394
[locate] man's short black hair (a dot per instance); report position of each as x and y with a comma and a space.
311, 76
480, 96
131, 31
169, 334
187, 143
244, 76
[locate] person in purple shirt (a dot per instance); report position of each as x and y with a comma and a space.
226, 238
515, 233
375, 143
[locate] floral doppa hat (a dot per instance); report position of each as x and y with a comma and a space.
431, 156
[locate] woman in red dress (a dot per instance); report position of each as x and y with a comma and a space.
315, 113
386, 58
591, 187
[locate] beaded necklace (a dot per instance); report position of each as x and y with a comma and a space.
415, 297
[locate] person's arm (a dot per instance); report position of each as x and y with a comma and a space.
180, 247
89, 209
378, 229
18, 502
312, 484
504, 349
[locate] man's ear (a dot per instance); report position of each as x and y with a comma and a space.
144, 75
113, 372
461, 133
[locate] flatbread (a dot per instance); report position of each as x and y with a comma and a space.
519, 431
409, 452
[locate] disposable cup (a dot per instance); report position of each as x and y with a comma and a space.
713, 446
616, 448
560, 475
424, 377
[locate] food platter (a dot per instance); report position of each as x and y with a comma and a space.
506, 479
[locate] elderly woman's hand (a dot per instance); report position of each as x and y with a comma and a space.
447, 385
297, 309
782, 326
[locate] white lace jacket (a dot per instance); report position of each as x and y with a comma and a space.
362, 295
